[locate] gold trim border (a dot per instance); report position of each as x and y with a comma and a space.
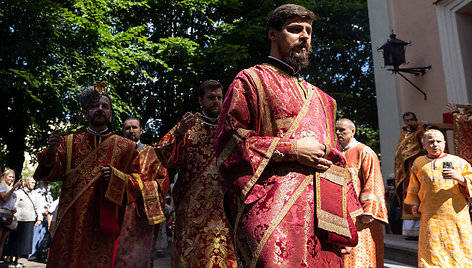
278, 219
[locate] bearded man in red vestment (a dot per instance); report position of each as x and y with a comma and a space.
100, 173
202, 236
364, 169
142, 218
288, 198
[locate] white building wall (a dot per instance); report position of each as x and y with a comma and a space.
386, 84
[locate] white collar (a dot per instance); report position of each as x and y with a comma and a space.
139, 145
211, 119
353, 143
98, 133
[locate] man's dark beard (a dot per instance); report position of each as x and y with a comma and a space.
97, 124
298, 61
133, 138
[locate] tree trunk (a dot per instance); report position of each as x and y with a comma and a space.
16, 146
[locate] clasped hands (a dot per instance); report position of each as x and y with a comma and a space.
311, 153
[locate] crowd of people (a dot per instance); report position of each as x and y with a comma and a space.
267, 177
26, 213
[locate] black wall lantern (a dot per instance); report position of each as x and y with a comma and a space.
394, 55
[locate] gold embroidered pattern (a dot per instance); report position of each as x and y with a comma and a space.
332, 223
279, 217
308, 134
68, 140
264, 163
330, 137
456, 120
116, 186
374, 197
284, 123
261, 167
329, 221
335, 174
151, 197
202, 235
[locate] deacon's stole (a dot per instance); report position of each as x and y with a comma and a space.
155, 184
264, 113
202, 235
89, 206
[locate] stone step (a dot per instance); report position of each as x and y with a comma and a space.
401, 250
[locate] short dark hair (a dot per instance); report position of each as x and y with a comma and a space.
209, 84
134, 118
408, 114
285, 12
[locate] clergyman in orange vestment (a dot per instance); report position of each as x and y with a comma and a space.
364, 169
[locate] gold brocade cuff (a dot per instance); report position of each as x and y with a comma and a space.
286, 150
116, 186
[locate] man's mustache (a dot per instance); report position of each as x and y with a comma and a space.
303, 43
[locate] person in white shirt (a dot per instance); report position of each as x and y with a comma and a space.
7, 203
40, 231
29, 213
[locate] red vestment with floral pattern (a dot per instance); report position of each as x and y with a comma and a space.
201, 235
142, 218
282, 210
90, 209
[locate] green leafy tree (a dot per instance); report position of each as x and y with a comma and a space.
342, 63
153, 55
49, 51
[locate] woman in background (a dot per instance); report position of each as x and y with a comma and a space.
29, 214
7, 201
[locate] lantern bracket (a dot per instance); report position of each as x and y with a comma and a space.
394, 55
416, 71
